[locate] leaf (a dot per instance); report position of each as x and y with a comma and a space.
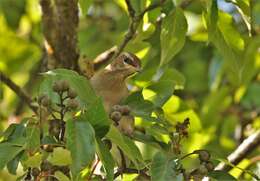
13, 164
14, 16
61, 176
8, 152
250, 66
32, 137
32, 161
98, 118
84, 5
227, 40
60, 157
126, 144
159, 92
175, 76
163, 168
221, 175
106, 159
81, 142
79, 83
139, 106
174, 28
251, 98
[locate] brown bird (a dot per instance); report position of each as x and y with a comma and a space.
110, 84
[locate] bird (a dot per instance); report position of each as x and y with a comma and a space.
110, 82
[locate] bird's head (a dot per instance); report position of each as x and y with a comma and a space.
126, 63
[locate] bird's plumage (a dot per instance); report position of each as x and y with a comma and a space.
109, 83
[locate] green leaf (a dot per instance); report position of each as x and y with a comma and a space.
227, 40
106, 159
163, 168
126, 144
98, 118
81, 142
159, 92
32, 161
250, 67
139, 106
175, 76
84, 5
251, 98
60, 157
174, 28
13, 164
61, 176
8, 152
221, 175
32, 137
79, 83
14, 16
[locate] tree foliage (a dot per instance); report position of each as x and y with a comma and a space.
195, 104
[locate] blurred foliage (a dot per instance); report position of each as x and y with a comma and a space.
201, 62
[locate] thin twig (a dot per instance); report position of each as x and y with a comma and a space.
134, 23
19, 92
130, 8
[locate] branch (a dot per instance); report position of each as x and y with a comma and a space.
247, 146
134, 22
19, 92
60, 20
130, 8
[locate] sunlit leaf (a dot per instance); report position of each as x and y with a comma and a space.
174, 28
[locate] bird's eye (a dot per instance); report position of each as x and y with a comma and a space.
128, 61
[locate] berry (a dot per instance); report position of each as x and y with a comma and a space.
57, 87
115, 116
116, 108
35, 172
72, 93
202, 169
73, 103
45, 101
204, 155
64, 85
209, 166
125, 110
